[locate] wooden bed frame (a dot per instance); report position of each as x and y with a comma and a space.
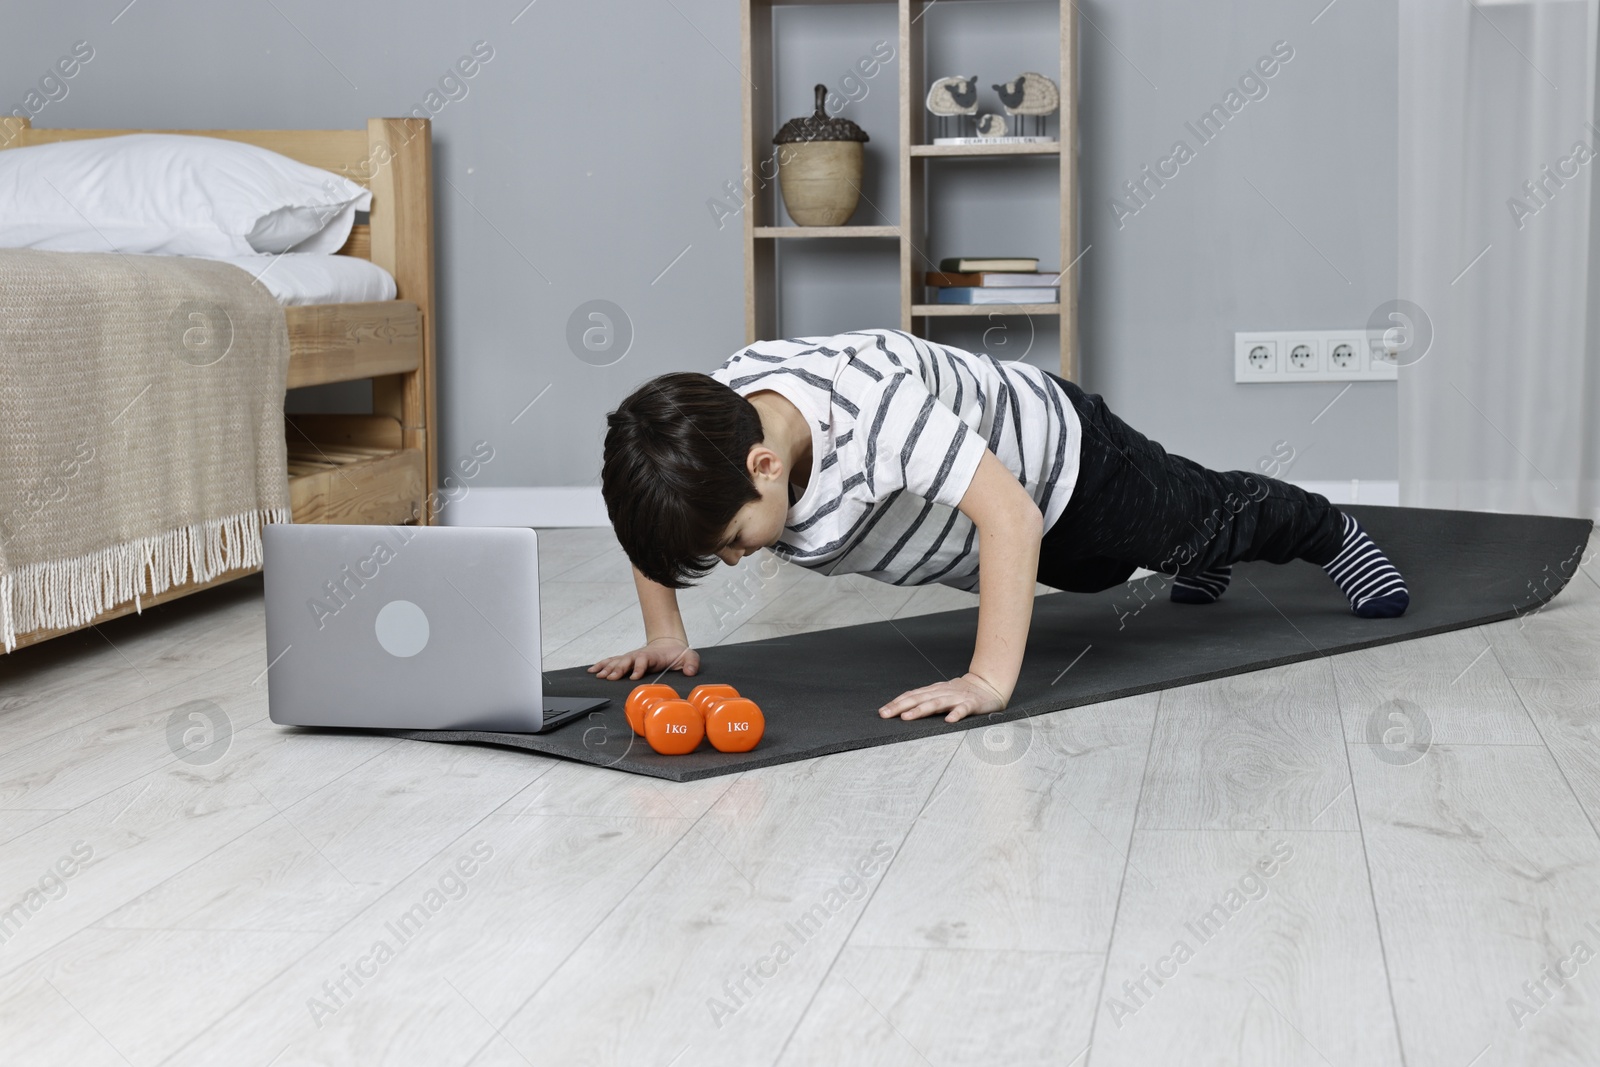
377, 468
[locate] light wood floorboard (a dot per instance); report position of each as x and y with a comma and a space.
1258, 942
1449, 688
1254, 751
1485, 870
894, 1007
1040, 812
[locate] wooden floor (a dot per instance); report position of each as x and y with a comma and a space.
1239, 872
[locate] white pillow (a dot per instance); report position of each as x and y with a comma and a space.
171, 194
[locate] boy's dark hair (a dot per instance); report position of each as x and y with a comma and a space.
674, 473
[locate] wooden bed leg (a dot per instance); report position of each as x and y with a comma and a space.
402, 225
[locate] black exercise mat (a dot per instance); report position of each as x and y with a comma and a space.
820, 691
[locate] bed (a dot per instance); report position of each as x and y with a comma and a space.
341, 468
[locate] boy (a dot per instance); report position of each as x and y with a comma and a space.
879, 453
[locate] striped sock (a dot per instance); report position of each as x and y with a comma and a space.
1365, 575
1202, 588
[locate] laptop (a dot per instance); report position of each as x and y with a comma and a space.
407, 628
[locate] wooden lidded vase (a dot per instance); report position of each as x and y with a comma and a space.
819, 166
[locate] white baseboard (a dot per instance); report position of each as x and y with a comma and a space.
541, 505
581, 505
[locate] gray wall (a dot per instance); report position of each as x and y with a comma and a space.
1209, 255
583, 157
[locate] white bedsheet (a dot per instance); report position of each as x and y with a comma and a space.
305, 278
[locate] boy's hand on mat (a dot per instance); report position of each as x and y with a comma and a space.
958, 698
662, 654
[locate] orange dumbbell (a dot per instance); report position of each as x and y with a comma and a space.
701, 695
674, 727
735, 724
641, 695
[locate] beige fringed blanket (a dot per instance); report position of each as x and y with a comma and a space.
141, 429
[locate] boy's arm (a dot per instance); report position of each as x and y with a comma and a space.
1009, 530
659, 605
666, 644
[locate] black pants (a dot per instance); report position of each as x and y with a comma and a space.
1137, 505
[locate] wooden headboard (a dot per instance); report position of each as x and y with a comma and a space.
393, 158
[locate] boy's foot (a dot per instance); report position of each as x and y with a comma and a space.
1365, 575
1202, 588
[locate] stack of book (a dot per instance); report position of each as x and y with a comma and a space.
993, 280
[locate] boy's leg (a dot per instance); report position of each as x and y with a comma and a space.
1138, 503
1206, 587
1081, 574
1266, 519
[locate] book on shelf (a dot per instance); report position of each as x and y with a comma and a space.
989, 279
986, 141
978, 264
977, 294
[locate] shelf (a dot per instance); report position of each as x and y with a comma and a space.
985, 309
898, 146
827, 231
986, 150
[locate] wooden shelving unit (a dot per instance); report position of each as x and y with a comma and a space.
985, 150
919, 311
763, 232
913, 157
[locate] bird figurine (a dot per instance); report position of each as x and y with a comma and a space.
1030, 94
953, 97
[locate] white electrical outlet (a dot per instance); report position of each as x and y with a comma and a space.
1304, 357
1308, 356
1255, 357
1344, 358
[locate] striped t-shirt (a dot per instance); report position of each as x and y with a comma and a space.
898, 425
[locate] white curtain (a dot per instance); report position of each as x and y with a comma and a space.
1498, 331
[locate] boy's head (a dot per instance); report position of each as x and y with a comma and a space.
686, 478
